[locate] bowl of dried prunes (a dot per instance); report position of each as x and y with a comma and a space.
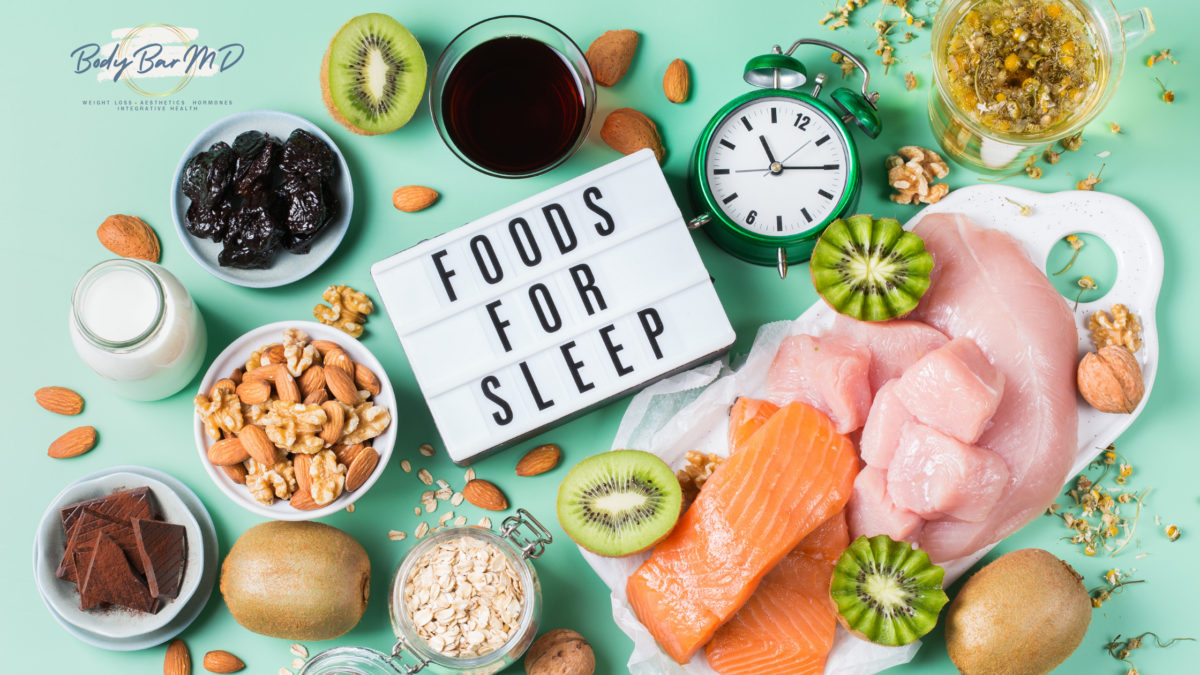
262, 198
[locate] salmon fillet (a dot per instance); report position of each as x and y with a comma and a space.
746, 417
786, 628
795, 473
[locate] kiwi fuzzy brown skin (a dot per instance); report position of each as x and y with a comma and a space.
1023, 614
327, 97
266, 580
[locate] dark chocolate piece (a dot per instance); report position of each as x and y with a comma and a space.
84, 535
163, 549
124, 505
109, 578
82, 561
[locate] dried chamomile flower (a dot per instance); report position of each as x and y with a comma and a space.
1086, 283
1168, 95
1173, 533
1026, 210
910, 81
1050, 155
842, 14
1091, 181
911, 172
1122, 329
1161, 56
1076, 243
1073, 143
1115, 128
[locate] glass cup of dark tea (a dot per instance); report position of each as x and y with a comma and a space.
512, 96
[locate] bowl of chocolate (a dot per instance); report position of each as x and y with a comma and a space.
261, 198
119, 555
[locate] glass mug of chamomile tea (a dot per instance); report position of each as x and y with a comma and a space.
512, 96
1013, 76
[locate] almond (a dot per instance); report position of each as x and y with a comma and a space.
228, 451
341, 386
1111, 380
301, 463
256, 443
253, 392
178, 662
627, 131
236, 375
340, 359
335, 421
311, 380
223, 383
73, 443
59, 400
347, 453
317, 397
413, 198
285, 386
610, 55
485, 495
265, 373
236, 472
302, 501
129, 237
325, 346
365, 379
539, 460
222, 662
675, 82
273, 354
361, 468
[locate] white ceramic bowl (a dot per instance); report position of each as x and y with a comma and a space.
286, 267
63, 596
235, 355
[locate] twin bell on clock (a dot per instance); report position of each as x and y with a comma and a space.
775, 166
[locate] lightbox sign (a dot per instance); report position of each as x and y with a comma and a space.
525, 318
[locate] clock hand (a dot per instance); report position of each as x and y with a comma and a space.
770, 157
793, 153
825, 167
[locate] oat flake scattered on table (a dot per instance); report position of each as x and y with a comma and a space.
464, 598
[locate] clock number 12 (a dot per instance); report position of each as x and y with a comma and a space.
802, 122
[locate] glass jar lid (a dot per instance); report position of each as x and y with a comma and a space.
351, 661
118, 304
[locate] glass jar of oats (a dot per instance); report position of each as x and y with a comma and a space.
465, 600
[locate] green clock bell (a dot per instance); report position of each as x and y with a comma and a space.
775, 166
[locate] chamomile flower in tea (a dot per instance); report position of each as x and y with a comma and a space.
1021, 66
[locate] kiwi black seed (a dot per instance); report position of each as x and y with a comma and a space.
619, 503
871, 270
373, 75
886, 591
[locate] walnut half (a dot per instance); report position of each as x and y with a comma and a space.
912, 171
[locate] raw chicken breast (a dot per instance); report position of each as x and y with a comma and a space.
829, 373
894, 345
953, 389
934, 476
985, 287
871, 511
881, 433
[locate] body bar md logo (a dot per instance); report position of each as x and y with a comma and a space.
155, 59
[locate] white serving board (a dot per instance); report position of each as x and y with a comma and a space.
669, 418
541, 311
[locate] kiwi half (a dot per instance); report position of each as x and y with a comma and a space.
886, 592
619, 503
870, 270
373, 75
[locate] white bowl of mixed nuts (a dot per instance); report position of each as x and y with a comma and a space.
295, 420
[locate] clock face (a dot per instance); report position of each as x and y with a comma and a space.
777, 166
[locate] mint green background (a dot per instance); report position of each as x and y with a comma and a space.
64, 168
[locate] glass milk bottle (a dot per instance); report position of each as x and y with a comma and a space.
136, 326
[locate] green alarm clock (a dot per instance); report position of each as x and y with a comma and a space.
775, 166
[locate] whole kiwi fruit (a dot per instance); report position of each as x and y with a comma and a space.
298, 581
1023, 614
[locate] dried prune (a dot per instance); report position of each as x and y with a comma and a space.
254, 233
258, 155
299, 243
209, 223
207, 175
308, 155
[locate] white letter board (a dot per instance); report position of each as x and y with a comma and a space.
533, 315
